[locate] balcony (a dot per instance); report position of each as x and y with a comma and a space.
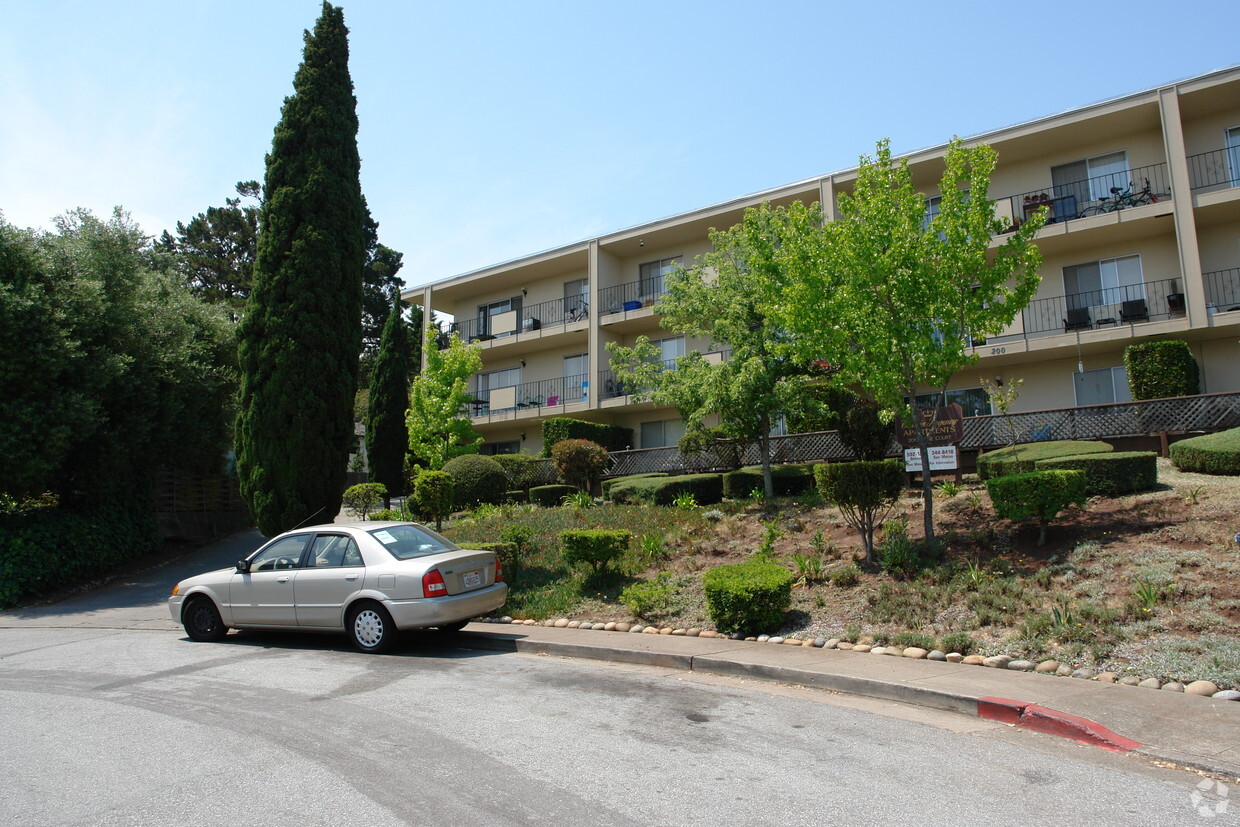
635, 295
1212, 171
532, 396
613, 388
1099, 309
1222, 290
1089, 196
542, 316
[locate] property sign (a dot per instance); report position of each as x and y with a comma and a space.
945, 426
942, 458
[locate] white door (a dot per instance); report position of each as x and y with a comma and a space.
334, 572
263, 596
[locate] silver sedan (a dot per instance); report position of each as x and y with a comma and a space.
368, 580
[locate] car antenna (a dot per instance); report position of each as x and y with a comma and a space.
308, 519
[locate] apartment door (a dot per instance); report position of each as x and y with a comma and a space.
1101, 387
1233, 154
576, 380
1090, 180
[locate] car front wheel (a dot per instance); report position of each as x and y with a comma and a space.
202, 621
371, 628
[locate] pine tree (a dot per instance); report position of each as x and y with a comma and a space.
299, 340
386, 435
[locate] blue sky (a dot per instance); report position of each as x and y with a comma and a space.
491, 130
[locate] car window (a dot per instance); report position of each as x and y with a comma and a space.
334, 550
404, 542
284, 553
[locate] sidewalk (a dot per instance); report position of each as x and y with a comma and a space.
1187, 730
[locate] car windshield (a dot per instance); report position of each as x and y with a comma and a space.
404, 542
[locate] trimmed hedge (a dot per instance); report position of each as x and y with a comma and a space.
52, 548
579, 462
507, 554
1209, 454
560, 428
788, 480
595, 546
705, 488
747, 597
1021, 459
476, 479
1157, 370
1109, 475
1038, 494
607, 484
432, 495
526, 470
550, 496
516, 495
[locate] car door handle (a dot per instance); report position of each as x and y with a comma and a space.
282, 578
350, 577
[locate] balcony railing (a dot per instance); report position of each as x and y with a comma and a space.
545, 393
1223, 289
1088, 196
612, 387
632, 296
1215, 170
541, 316
1099, 309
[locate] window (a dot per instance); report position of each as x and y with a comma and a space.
576, 299
1106, 283
488, 382
662, 433
333, 551
576, 382
282, 554
974, 401
1090, 179
669, 349
933, 205
490, 449
652, 275
488, 312
1100, 387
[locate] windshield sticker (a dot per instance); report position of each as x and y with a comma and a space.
385, 538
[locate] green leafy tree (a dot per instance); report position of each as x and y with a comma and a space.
897, 296
731, 297
432, 493
438, 419
301, 334
387, 436
362, 498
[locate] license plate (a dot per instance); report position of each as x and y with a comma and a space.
472, 579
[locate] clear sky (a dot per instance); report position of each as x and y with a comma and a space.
492, 130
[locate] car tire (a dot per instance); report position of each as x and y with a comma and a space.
452, 628
202, 621
370, 628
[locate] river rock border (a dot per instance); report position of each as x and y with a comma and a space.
1046, 667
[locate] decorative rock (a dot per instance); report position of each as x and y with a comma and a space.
763, 638
561, 623
1129, 680
1084, 674
807, 643
1064, 670
666, 630
636, 629
879, 650
736, 636
693, 633
505, 619
623, 627
862, 647
598, 627
1206, 688
1047, 666
791, 641
935, 654
997, 661
867, 639
894, 651
710, 633
650, 630
1106, 677
954, 657
574, 624
831, 644
609, 626
1150, 683
915, 652
1021, 665
751, 639
820, 642
1226, 695
973, 660
843, 644
678, 632
1173, 686
776, 639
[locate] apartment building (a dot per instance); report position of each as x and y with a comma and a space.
1143, 243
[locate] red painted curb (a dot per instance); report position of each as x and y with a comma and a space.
1053, 722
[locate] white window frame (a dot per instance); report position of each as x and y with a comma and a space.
1118, 377
651, 276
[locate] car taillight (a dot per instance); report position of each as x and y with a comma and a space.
499, 572
433, 585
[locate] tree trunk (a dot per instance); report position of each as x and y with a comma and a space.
927, 485
764, 443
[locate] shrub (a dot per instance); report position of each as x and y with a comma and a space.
1038, 494
864, 490
863, 431
475, 480
579, 462
525, 470
1157, 370
845, 577
649, 599
958, 642
432, 494
1209, 454
550, 496
1109, 475
788, 480
508, 555
897, 554
746, 597
387, 515
516, 495
1021, 459
597, 547
607, 484
560, 428
918, 639
705, 488
362, 498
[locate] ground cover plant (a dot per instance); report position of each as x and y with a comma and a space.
1145, 583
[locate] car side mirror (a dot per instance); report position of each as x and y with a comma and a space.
243, 566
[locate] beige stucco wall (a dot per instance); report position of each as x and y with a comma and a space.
1220, 246
1206, 133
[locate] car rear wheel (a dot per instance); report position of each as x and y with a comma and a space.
452, 627
371, 628
202, 621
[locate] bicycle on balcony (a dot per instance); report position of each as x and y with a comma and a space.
1123, 199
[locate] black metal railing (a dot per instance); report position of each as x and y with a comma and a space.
1108, 307
1214, 170
612, 387
1092, 196
632, 296
541, 316
1223, 289
544, 393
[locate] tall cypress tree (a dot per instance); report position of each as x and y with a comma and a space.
299, 340
387, 438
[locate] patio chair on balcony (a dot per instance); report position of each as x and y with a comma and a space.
552, 401
1078, 319
1134, 310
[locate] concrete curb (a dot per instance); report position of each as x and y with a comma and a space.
1053, 722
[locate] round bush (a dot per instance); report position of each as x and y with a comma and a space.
747, 597
596, 547
475, 480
